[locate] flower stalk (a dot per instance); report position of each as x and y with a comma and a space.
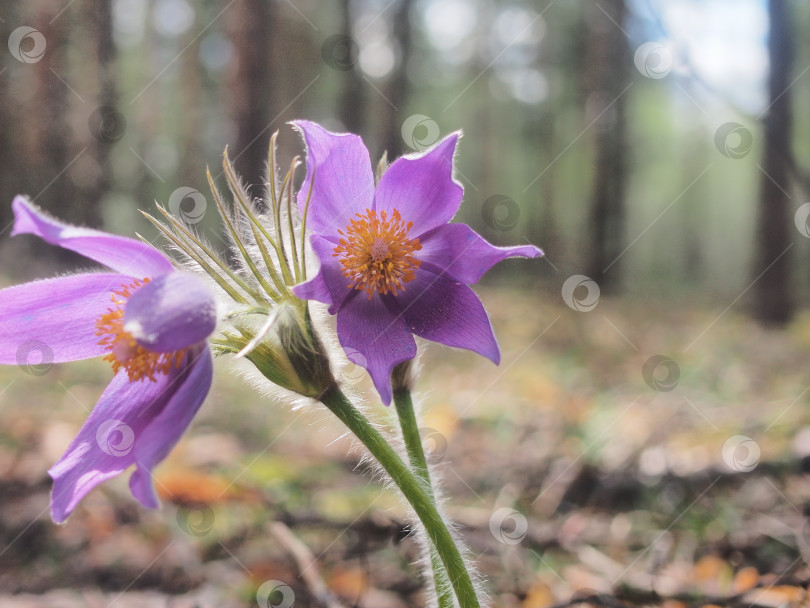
403, 402
413, 488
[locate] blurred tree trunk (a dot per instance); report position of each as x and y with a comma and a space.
99, 15
772, 302
11, 168
193, 100
55, 190
606, 77
253, 28
398, 88
352, 104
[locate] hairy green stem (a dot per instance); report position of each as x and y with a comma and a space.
416, 455
413, 488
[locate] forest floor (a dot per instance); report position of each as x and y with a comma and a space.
582, 470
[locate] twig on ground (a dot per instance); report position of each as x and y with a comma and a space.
307, 565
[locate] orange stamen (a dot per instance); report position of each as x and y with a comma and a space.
125, 352
376, 253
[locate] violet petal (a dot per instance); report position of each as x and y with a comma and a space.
169, 425
438, 308
458, 251
375, 337
329, 285
344, 182
122, 254
132, 423
56, 317
170, 313
422, 188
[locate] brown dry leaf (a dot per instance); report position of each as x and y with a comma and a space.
775, 597
190, 486
712, 575
348, 582
539, 596
745, 579
673, 604
271, 570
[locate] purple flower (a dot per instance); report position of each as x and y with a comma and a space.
148, 320
391, 264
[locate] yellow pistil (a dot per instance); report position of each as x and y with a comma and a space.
376, 253
125, 352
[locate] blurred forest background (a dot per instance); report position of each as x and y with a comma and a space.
646, 439
642, 144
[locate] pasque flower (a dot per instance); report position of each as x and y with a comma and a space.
391, 264
147, 319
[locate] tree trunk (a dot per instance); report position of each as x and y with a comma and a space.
55, 190
11, 168
606, 78
352, 104
99, 14
399, 86
252, 31
772, 302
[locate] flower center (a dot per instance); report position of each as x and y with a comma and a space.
376, 253
125, 352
